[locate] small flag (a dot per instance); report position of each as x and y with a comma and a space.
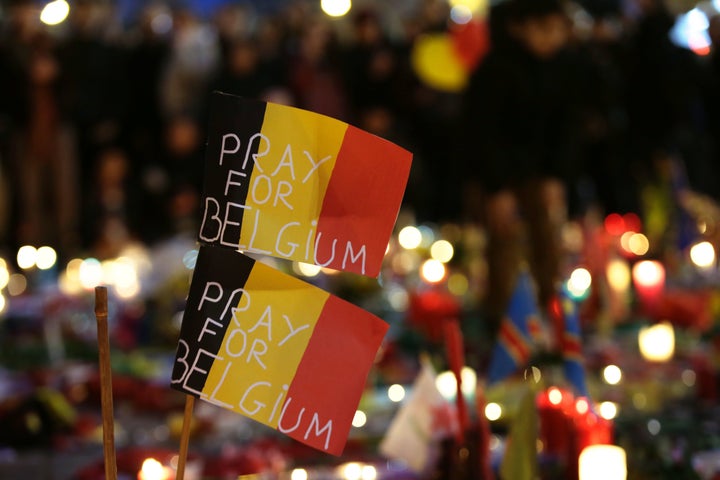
294, 184
419, 424
519, 330
274, 348
571, 345
520, 459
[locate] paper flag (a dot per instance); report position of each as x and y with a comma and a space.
519, 330
573, 362
419, 424
274, 348
294, 184
520, 459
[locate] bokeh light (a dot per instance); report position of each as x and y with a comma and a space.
306, 269
359, 419
396, 393
91, 273
410, 237
442, 251
657, 342
702, 254
17, 284
27, 257
432, 271
579, 282
4, 274
612, 374
335, 8
638, 244
555, 396
648, 273
46, 258
608, 410
55, 12
618, 275
299, 474
493, 411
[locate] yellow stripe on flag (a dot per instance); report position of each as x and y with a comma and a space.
289, 186
264, 344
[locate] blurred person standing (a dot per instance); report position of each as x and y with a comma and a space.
314, 75
194, 59
520, 124
94, 92
41, 142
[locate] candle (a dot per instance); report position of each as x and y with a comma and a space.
153, 470
649, 280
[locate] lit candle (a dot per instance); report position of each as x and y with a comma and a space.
153, 470
649, 280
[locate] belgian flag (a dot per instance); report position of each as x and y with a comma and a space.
274, 348
294, 184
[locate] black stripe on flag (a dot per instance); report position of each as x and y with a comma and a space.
218, 276
233, 123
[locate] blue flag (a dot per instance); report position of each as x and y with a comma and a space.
573, 362
518, 330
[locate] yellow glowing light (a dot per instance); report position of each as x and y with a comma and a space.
352, 471
153, 470
638, 244
396, 393
493, 411
335, 8
306, 269
458, 284
368, 472
359, 419
46, 258
580, 280
127, 290
26, 257
703, 254
442, 251
3, 303
657, 342
4, 276
299, 474
55, 12
432, 271
447, 385
582, 406
608, 410
648, 273
612, 374
555, 396
17, 283
91, 273
470, 4
625, 240
602, 462
410, 237
618, 275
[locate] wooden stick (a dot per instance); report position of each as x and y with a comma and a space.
185, 436
106, 397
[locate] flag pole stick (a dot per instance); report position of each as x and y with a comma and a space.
106, 396
185, 437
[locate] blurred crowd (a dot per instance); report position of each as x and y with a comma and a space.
574, 106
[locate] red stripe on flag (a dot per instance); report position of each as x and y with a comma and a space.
571, 346
331, 376
534, 327
514, 343
362, 199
